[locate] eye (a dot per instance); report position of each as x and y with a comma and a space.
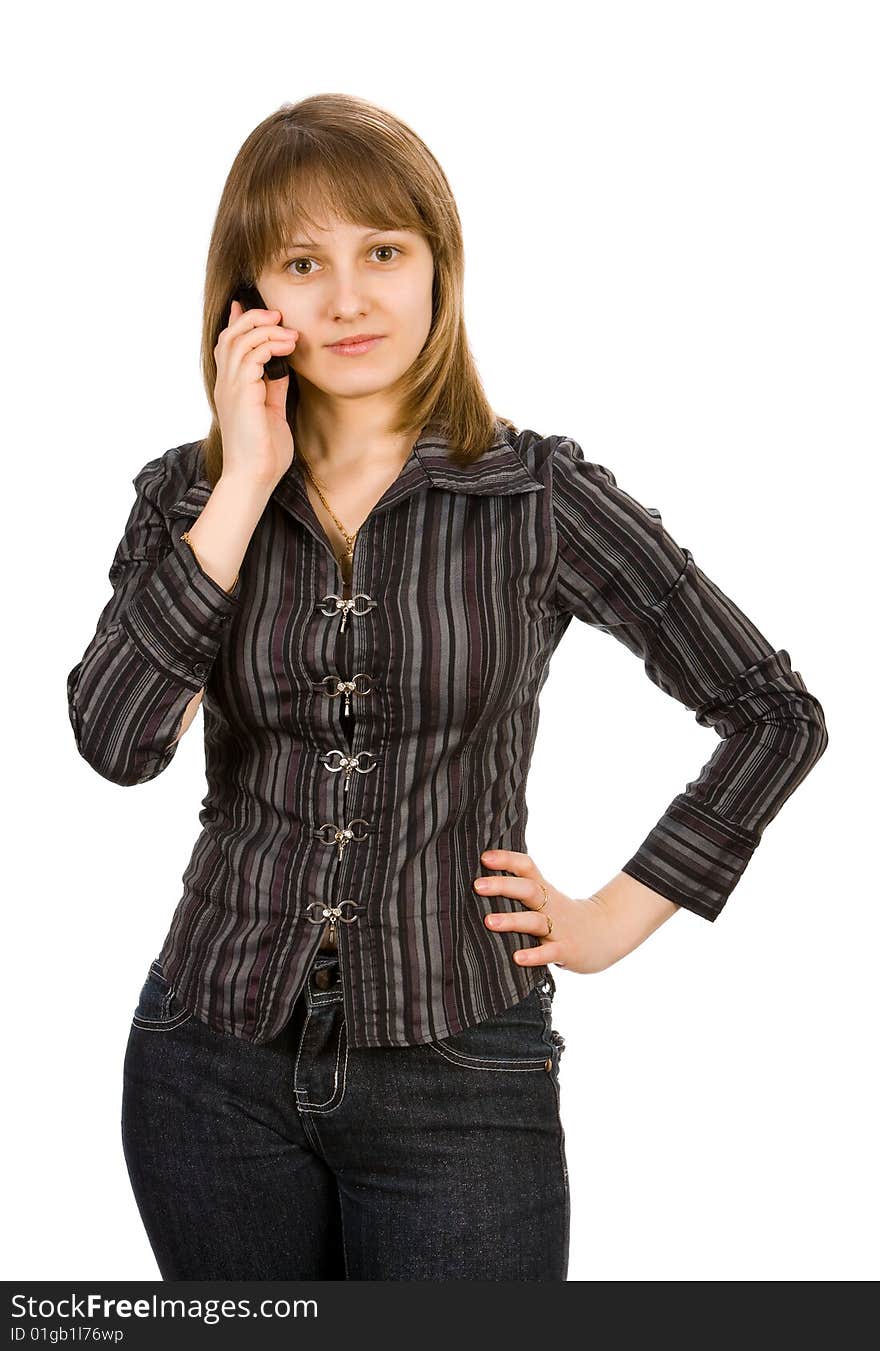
293, 261
296, 273
387, 246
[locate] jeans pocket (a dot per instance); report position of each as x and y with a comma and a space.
158, 1008
517, 1040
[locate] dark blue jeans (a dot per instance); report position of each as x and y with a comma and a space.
304, 1159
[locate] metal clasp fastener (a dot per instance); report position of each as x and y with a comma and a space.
349, 763
332, 604
333, 913
341, 835
347, 687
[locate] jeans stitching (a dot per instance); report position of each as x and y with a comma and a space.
556, 1042
473, 1062
302, 1038
304, 1117
313, 1108
504, 1064
329, 1105
162, 1025
167, 1021
562, 1159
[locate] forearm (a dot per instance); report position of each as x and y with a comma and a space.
140, 678
220, 538
223, 531
625, 912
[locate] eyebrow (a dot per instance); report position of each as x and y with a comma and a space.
312, 244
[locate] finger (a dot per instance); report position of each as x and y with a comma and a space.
519, 921
516, 888
260, 333
255, 315
252, 350
244, 329
276, 393
521, 864
253, 366
246, 321
529, 891
541, 956
236, 312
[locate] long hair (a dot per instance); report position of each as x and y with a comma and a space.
350, 159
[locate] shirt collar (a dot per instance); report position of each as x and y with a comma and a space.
499, 471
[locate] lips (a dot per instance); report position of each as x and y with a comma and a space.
354, 347
356, 338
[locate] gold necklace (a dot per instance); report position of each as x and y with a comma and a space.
349, 539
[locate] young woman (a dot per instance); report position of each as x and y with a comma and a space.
343, 1063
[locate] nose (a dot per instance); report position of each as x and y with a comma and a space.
348, 300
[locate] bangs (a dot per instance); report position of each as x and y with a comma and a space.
316, 183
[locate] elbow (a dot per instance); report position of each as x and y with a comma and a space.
815, 729
818, 740
127, 764
126, 772
810, 744
121, 737
797, 731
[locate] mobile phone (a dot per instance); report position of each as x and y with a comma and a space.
250, 299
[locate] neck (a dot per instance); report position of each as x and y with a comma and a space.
335, 446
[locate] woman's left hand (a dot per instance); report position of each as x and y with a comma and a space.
579, 936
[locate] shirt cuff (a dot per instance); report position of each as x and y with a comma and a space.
693, 857
178, 617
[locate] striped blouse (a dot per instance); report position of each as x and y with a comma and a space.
464, 581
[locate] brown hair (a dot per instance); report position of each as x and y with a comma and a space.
347, 157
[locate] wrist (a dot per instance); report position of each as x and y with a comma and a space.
630, 912
245, 488
208, 569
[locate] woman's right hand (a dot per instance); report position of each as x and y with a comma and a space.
251, 410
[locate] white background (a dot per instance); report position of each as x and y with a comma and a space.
671, 224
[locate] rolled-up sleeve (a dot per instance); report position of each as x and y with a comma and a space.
154, 646
619, 570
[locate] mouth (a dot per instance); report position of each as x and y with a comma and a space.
361, 342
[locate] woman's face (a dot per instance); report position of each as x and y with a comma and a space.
349, 280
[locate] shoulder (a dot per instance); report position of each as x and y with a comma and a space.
167, 477
531, 447
584, 495
559, 463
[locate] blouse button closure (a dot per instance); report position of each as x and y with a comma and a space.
341, 835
